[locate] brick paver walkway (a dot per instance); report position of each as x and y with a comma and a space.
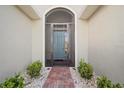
59, 77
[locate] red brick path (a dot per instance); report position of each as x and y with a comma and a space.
59, 77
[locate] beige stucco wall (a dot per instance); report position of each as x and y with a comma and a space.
106, 42
15, 41
37, 40
81, 39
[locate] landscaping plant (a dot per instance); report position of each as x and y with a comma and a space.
13, 82
118, 85
103, 82
34, 69
85, 69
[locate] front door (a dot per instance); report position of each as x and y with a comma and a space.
59, 42
58, 46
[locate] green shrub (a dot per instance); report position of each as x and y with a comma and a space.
118, 85
85, 69
103, 82
13, 82
34, 69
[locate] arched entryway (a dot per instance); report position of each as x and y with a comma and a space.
60, 37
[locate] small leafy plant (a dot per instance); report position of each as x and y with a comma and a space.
118, 85
85, 69
34, 69
103, 82
13, 82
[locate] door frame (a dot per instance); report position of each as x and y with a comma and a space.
43, 33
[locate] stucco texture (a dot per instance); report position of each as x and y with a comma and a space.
106, 42
15, 41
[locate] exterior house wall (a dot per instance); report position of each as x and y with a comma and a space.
106, 42
81, 39
37, 40
15, 41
